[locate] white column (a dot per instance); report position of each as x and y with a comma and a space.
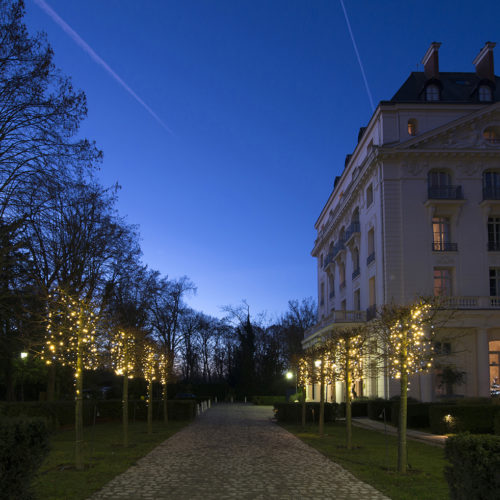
426, 393
482, 363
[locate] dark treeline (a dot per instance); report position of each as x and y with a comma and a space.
65, 251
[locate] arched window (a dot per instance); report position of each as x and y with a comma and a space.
432, 92
412, 127
485, 94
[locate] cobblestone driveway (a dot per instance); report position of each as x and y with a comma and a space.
235, 452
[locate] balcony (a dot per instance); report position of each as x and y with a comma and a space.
493, 246
331, 295
458, 302
339, 247
352, 230
444, 246
491, 193
370, 258
355, 273
336, 318
328, 260
445, 193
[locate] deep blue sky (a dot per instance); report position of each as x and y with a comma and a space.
264, 98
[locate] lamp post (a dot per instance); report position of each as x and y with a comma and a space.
24, 357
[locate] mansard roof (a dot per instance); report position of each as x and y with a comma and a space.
455, 87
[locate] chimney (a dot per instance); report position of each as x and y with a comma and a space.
484, 62
431, 61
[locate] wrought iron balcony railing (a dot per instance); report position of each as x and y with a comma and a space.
445, 193
444, 246
491, 193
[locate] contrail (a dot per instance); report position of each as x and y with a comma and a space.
90, 51
357, 55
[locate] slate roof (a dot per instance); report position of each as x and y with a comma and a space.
456, 87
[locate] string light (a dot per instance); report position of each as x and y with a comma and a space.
122, 353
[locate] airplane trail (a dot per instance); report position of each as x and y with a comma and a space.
358, 56
91, 52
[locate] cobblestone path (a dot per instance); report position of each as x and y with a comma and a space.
235, 452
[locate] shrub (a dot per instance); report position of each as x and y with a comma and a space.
375, 408
292, 412
268, 400
475, 462
358, 408
417, 414
475, 418
23, 446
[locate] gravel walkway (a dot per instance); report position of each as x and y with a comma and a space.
235, 452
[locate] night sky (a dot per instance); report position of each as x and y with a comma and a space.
242, 116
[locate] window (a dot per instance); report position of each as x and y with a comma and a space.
432, 92
442, 348
438, 178
491, 185
357, 300
492, 135
442, 282
369, 195
342, 275
485, 94
494, 281
493, 234
440, 188
331, 285
321, 261
322, 296
412, 126
355, 263
371, 246
441, 235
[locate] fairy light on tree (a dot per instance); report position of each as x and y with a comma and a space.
346, 350
150, 371
123, 362
407, 332
70, 340
306, 375
163, 369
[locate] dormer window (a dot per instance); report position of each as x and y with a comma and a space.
492, 135
432, 92
412, 127
485, 94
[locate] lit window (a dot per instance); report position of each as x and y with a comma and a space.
485, 94
432, 92
412, 127
441, 234
492, 135
442, 282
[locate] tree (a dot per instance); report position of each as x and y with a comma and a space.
406, 332
71, 340
306, 375
40, 114
150, 366
167, 307
344, 353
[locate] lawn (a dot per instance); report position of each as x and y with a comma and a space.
374, 457
105, 457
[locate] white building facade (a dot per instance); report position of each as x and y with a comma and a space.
416, 212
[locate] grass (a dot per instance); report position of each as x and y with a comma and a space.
373, 459
105, 458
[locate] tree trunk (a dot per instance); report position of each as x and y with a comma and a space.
348, 408
403, 411
150, 407
322, 399
304, 407
125, 408
79, 405
165, 404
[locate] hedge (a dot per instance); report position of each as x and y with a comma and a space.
376, 407
24, 444
358, 408
268, 400
474, 418
62, 413
475, 466
292, 412
417, 414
